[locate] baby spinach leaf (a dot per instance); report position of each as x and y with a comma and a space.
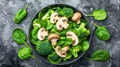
84, 21
85, 45
34, 33
18, 36
102, 33
41, 13
49, 25
25, 53
100, 55
35, 42
99, 14
54, 58
36, 23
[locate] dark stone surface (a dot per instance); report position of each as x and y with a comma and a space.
8, 9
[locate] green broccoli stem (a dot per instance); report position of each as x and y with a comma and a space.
26, 7
27, 45
33, 57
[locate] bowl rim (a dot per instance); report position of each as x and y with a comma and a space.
33, 47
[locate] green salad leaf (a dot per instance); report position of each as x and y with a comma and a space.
18, 36
102, 33
54, 58
36, 23
82, 31
75, 50
67, 12
99, 14
84, 45
68, 57
25, 53
100, 55
34, 33
55, 46
47, 15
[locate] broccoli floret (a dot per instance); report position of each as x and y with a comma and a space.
54, 30
44, 48
57, 9
47, 15
84, 21
82, 31
64, 41
36, 23
72, 25
75, 50
68, 57
54, 58
67, 12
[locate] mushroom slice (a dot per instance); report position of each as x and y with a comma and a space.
78, 21
65, 49
73, 36
42, 33
53, 38
76, 17
62, 23
62, 52
54, 17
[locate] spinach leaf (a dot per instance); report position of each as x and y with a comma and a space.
34, 33
25, 53
36, 23
100, 55
18, 36
102, 33
99, 14
54, 58
84, 21
85, 45
49, 25
35, 42
42, 13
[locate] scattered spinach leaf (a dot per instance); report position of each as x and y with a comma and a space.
102, 33
100, 55
25, 53
99, 14
19, 36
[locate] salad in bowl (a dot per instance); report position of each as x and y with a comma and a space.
59, 34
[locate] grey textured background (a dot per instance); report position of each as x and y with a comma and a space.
8, 9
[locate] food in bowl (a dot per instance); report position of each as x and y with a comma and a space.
60, 34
